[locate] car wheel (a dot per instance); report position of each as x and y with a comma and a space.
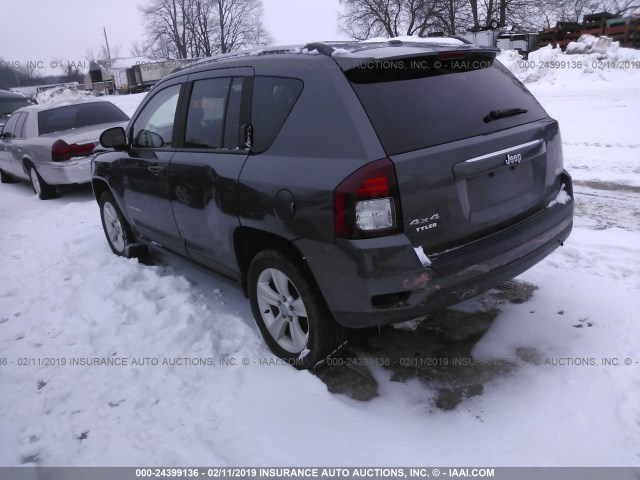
290, 311
115, 226
40, 187
6, 178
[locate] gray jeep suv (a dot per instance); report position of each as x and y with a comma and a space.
341, 184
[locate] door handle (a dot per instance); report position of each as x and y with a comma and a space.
155, 169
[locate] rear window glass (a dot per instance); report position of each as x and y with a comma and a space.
415, 104
273, 99
10, 105
78, 115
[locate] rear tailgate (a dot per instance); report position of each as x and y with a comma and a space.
456, 193
473, 150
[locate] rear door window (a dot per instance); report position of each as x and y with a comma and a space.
415, 104
18, 132
206, 116
8, 128
273, 100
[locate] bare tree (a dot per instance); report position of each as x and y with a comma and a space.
473, 5
203, 28
522, 13
70, 70
456, 16
540, 14
28, 70
364, 19
620, 7
102, 54
574, 10
240, 25
196, 28
138, 49
168, 26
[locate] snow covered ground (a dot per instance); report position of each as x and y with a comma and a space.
543, 398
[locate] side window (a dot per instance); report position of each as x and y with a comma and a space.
154, 127
18, 132
273, 99
8, 128
207, 111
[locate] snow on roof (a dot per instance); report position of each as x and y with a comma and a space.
416, 39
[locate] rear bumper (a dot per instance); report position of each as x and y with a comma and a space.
75, 170
381, 281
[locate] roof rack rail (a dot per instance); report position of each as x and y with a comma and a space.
323, 48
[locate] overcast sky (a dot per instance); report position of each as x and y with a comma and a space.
46, 30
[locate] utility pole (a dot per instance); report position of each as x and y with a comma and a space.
107, 41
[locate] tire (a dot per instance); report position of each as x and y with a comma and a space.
307, 333
6, 178
116, 228
40, 187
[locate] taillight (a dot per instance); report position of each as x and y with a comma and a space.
61, 150
366, 204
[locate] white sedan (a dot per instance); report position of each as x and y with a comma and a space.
52, 144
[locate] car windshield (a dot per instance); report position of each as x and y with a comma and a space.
79, 115
10, 105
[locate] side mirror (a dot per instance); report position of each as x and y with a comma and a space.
149, 139
115, 138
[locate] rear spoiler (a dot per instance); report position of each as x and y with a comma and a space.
410, 67
398, 50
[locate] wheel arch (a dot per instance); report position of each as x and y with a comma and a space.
26, 161
99, 186
248, 242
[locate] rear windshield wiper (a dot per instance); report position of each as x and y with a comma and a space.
498, 114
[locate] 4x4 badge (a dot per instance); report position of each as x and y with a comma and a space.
421, 221
423, 224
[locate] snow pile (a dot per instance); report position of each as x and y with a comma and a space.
340, 51
590, 58
127, 103
591, 44
562, 198
63, 95
416, 39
